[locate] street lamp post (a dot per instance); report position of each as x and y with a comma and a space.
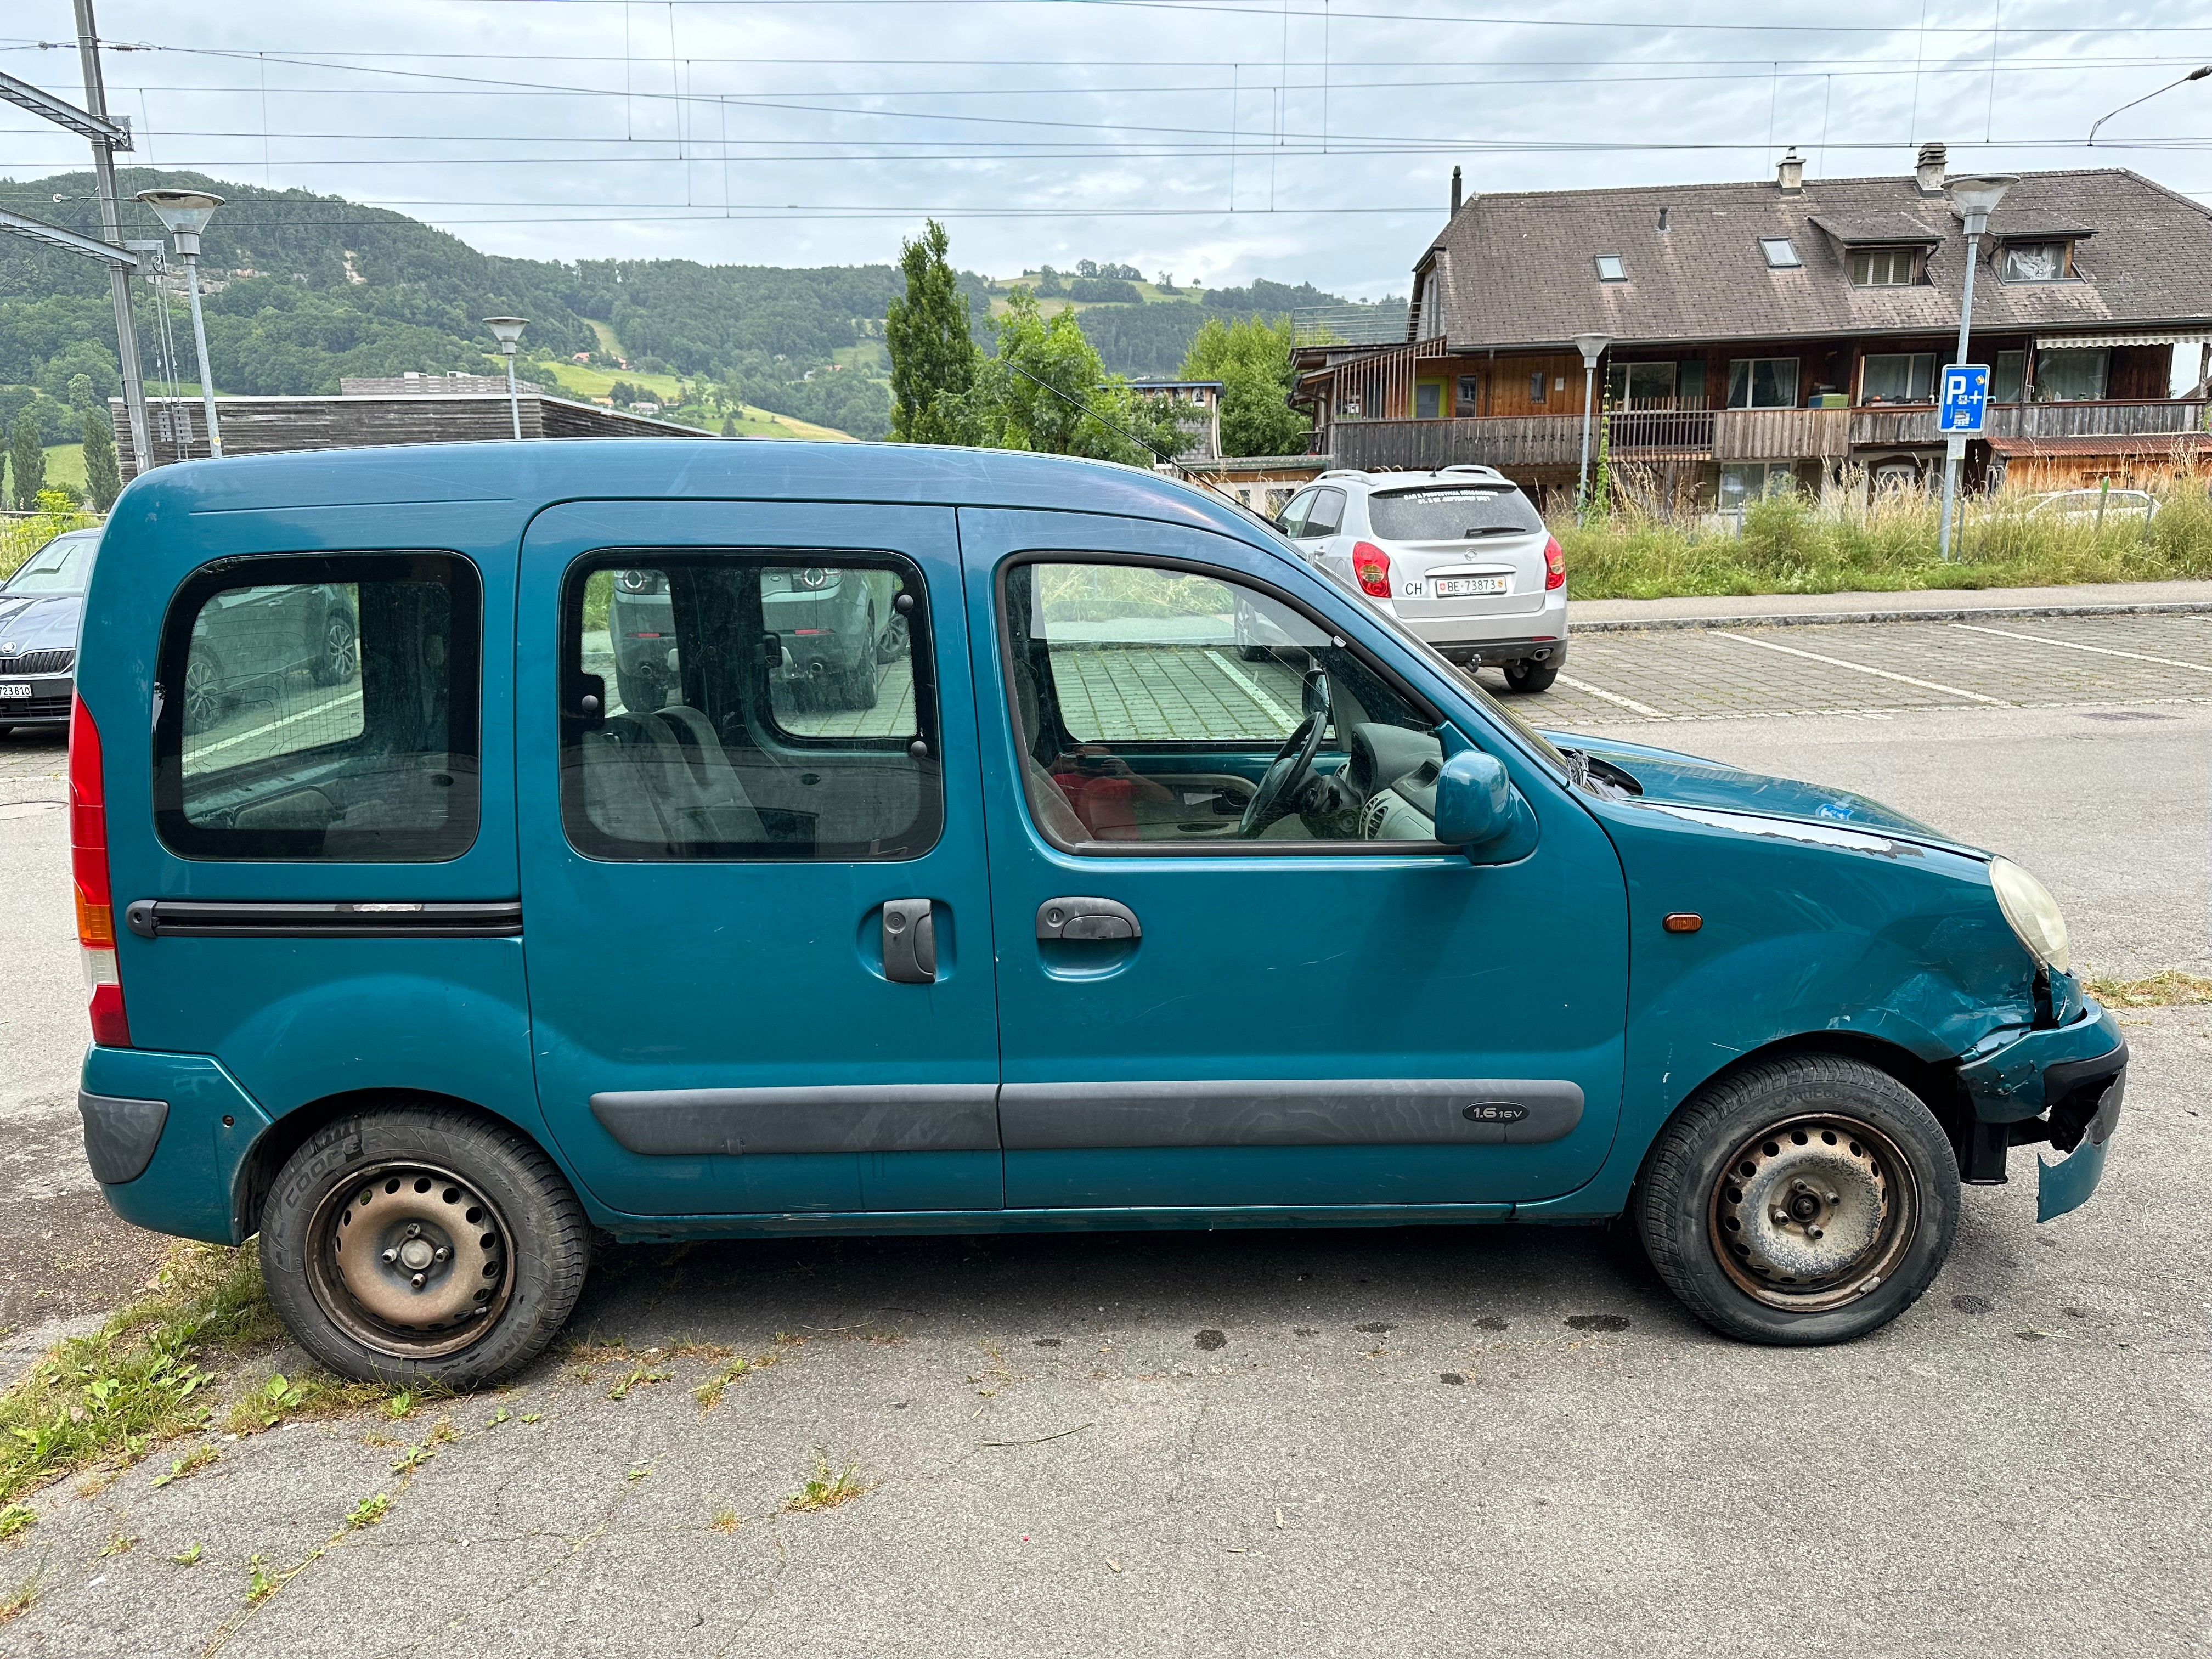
1975, 200
185, 212
1592, 346
509, 329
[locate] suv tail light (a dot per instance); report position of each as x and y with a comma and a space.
95, 909
1371, 566
1555, 564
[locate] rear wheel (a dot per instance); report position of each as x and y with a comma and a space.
640, 693
1528, 675
1808, 1201
203, 690
418, 1242
339, 658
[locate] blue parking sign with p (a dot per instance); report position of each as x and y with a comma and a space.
1965, 398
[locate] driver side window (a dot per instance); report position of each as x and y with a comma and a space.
1165, 707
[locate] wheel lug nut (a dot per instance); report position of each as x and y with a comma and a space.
414, 1230
1810, 1233
416, 1281
442, 1253
390, 1256
1833, 1198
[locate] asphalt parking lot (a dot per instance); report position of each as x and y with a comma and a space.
1505, 1439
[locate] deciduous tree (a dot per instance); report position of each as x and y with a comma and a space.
1251, 358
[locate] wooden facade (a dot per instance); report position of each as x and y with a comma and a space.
260, 426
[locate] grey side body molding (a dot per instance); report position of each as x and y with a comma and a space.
1264, 1112
1069, 1116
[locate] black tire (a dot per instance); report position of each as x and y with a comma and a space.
1254, 653
640, 694
894, 639
337, 654
457, 1179
1528, 675
202, 692
852, 688
1810, 1200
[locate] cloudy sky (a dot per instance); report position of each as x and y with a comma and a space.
1217, 139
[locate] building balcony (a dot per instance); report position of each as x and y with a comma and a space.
1663, 436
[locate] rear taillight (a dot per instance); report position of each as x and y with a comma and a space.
95, 909
1555, 564
1370, 565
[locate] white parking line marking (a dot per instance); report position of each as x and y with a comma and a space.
1250, 688
1862, 668
2101, 650
221, 743
1629, 703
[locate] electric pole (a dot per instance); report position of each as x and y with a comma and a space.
111, 230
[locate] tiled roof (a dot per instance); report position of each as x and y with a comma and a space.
1518, 270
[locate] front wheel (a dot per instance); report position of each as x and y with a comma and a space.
1530, 676
420, 1244
1808, 1201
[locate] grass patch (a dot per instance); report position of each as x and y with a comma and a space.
709, 1393
1791, 543
2160, 990
19, 1601
140, 1379
826, 1488
368, 1511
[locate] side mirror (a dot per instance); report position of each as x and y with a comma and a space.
1313, 698
1474, 800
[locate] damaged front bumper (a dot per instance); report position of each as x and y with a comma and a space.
2062, 1086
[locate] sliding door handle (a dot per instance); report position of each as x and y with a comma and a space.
909, 941
1084, 919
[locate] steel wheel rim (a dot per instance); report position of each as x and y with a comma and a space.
379, 1232
341, 648
1813, 1213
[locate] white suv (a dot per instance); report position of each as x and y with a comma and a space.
1462, 557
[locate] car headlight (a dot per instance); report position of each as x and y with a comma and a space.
2033, 914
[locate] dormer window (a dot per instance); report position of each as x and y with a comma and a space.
1781, 252
1885, 267
2038, 262
1611, 268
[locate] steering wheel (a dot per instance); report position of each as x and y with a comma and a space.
1293, 761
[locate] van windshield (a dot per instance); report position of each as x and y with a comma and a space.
1453, 514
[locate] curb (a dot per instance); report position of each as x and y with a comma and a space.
1955, 613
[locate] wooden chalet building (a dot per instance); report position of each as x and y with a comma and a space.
1788, 330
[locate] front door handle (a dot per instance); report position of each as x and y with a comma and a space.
1084, 919
909, 941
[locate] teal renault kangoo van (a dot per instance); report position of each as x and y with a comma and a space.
477, 846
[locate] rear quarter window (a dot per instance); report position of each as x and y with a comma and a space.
320, 708
1454, 513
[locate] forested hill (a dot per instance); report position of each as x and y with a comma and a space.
307, 289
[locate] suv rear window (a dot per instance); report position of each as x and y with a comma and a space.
320, 708
1451, 513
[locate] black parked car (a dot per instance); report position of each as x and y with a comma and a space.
834, 629
40, 609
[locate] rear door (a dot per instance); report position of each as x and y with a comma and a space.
758, 946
